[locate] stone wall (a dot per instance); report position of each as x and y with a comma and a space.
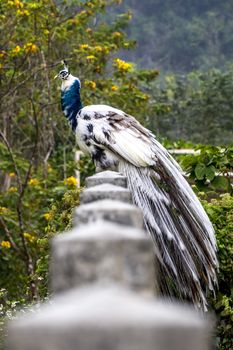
103, 282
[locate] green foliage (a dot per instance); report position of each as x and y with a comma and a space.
182, 35
47, 205
36, 144
197, 107
86, 168
60, 213
59, 219
220, 212
211, 168
23, 218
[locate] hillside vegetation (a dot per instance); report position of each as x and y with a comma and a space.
181, 36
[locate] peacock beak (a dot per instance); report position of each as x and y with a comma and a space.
55, 76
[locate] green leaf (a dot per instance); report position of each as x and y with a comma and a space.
221, 183
210, 172
200, 185
200, 170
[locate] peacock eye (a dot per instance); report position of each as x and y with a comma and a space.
63, 74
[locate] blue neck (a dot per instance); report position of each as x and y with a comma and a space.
71, 103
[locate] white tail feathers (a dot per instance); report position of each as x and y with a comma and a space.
182, 233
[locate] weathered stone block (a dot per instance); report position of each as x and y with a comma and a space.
109, 319
110, 177
110, 210
105, 191
103, 252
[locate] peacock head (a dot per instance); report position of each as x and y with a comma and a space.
64, 73
68, 80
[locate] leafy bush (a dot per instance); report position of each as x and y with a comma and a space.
25, 203
220, 212
211, 168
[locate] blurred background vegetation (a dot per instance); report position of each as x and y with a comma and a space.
182, 35
177, 79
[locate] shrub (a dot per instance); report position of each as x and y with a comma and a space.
220, 212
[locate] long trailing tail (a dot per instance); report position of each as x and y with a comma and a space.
182, 233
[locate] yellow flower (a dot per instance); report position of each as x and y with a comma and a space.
30, 47
98, 69
33, 182
83, 13
84, 46
17, 3
130, 16
16, 50
6, 244
114, 88
90, 4
91, 58
73, 21
91, 84
34, 6
122, 65
98, 48
47, 216
23, 12
34, 48
117, 35
12, 174
169, 79
71, 181
50, 169
3, 210
12, 189
29, 237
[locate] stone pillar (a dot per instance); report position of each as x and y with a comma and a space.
97, 318
103, 253
105, 191
107, 177
109, 210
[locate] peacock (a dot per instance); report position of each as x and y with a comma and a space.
183, 236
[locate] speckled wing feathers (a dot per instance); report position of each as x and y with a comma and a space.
122, 135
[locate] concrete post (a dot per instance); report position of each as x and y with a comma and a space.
103, 253
114, 211
109, 319
105, 191
107, 177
